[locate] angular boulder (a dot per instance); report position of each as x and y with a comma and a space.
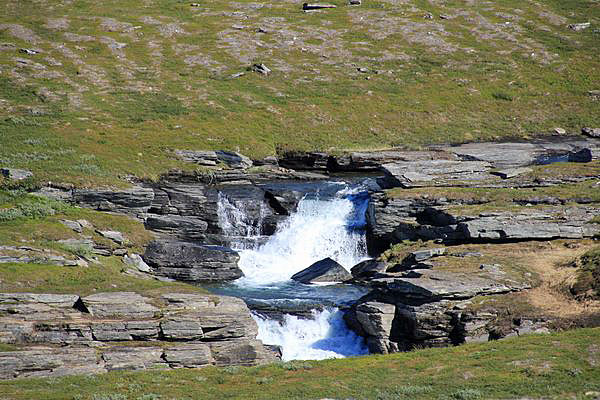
192, 262
368, 268
326, 270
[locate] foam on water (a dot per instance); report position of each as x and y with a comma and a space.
319, 228
325, 335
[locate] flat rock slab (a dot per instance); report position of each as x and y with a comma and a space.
191, 355
410, 174
15, 174
119, 304
133, 358
440, 285
513, 155
326, 270
45, 361
511, 172
54, 300
192, 262
115, 236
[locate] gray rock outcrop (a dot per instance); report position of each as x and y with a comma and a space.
15, 174
190, 330
191, 262
325, 270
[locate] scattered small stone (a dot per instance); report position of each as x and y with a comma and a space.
85, 223
16, 174
428, 16
492, 268
237, 75
30, 52
261, 69
591, 132
195, 5
317, 6
580, 26
559, 131
76, 226
355, 2
362, 70
467, 254
119, 252
594, 94
113, 235
443, 16
135, 260
511, 172
261, 30
238, 27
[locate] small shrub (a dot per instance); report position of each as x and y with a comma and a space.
109, 396
466, 394
233, 369
149, 396
264, 380
296, 365
502, 96
588, 275
403, 392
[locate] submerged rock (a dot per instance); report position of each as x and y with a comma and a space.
326, 270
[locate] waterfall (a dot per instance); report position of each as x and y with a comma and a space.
322, 226
323, 336
318, 229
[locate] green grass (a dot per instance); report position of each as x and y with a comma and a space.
107, 276
103, 114
587, 284
28, 220
557, 366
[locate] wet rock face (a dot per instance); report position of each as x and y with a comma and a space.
195, 330
191, 262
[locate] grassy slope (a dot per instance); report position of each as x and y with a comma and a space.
556, 366
40, 228
492, 70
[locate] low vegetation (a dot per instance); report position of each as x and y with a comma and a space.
91, 92
35, 222
553, 366
587, 284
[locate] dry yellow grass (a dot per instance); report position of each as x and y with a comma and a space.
556, 276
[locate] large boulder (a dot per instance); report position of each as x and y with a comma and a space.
192, 262
326, 270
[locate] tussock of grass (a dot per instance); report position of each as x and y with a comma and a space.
587, 284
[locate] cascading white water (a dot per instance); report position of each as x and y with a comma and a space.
318, 229
323, 336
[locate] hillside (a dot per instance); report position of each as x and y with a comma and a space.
91, 92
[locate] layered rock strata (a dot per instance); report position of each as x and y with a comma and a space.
68, 334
